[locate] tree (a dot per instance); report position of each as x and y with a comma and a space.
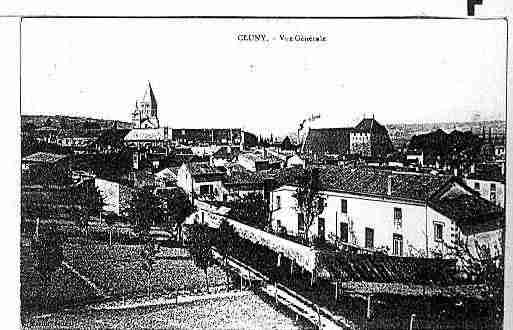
145, 210
179, 208
252, 209
148, 255
91, 203
227, 240
110, 220
310, 203
200, 247
483, 266
48, 254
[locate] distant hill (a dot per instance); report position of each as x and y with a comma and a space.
69, 122
402, 133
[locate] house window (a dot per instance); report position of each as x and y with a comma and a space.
369, 238
344, 232
343, 206
477, 186
397, 246
493, 192
398, 217
278, 202
321, 229
439, 232
300, 222
205, 189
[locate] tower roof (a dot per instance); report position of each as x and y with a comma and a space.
149, 96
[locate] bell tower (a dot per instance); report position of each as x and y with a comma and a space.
145, 114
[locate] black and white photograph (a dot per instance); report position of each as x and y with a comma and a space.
262, 172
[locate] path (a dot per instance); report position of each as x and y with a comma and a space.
85, 279
295, 302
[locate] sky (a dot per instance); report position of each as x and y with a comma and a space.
203, 76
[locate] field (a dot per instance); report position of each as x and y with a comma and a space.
63, 288
241, 312
118, 269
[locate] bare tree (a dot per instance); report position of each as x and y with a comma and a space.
227, 241
148, 255
310, 203
179, 208
200, 247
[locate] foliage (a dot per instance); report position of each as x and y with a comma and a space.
145, 210
252, 210
148, 260
227, 238
91, 203
310, 202
200, 247
484, 266
47, 176
179, 208
48, 252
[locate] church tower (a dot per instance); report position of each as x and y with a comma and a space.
145, 113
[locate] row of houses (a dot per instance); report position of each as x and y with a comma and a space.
407, 214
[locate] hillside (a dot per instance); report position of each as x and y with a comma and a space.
69, 122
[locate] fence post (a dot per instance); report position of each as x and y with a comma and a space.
411, 321
368, 307
318, 316
275, 293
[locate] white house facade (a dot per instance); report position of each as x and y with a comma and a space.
423, 224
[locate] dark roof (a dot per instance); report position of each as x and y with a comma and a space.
203, 172
152, 96
253, 179
112, 137
44, 158
327, 141
487, 176
371, 181
469, 211
370, 125
225, 153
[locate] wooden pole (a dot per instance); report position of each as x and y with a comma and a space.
336, 291
411, 321
318, 316
291, 267
275, 293
368, 307
278, 264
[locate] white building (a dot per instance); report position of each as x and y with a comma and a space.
408, 214
489, 187
201, 180
296, 161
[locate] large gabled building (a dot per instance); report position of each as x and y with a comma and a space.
369, 139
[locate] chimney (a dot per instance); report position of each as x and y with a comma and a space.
389, 185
